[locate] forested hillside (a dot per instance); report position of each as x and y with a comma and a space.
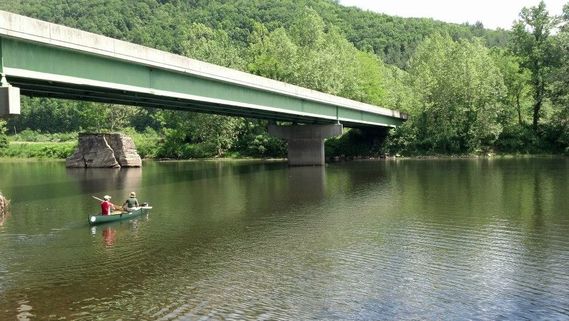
466, 88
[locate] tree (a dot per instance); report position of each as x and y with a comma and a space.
516, 79
324, 61
458, 90
273, 54
213, 46
560, 86
533, 44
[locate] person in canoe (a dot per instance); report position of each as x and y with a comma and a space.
106, 206
131, 203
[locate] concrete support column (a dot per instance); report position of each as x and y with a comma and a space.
305, 142
9, 101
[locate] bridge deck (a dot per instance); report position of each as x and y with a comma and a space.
46, 59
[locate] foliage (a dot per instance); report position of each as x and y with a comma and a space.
516, 79
3, 136
39, 150
146, 141
518, 139
532, 42
254, 141
462, 97
458, 89
324, 61
356, 142
213, 46
28, 135
560, 83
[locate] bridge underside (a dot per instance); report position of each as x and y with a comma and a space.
46, 70
51, 89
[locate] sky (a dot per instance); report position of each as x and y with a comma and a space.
492, 13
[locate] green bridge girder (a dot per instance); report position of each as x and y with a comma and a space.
45, 59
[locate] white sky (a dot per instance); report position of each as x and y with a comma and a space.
492, 13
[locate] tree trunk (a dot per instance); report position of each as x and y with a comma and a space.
536, 109
537, 106
519, 110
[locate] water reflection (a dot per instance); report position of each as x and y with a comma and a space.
109, 235
451, 240
4, 215
105, 179
127, 228
24, 311
307, 183
4, 210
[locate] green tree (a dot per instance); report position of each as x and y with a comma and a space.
273, 54
517, 82
399, 93
532, 42
560, 86
325, 61
213, 46
458, 90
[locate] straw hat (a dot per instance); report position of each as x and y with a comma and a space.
132, 194
107, 197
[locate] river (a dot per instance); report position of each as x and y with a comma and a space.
480, 239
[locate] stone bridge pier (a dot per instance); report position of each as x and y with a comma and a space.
305, 142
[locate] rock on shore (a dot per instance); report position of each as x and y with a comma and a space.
104, 150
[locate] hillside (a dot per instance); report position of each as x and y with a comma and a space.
161, 24
467, 89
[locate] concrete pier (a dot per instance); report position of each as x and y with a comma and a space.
9, 101
305, 142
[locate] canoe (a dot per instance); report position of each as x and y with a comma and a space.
118, 216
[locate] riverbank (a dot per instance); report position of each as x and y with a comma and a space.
40, 150
54, 149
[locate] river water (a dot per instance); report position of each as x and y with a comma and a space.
367, 240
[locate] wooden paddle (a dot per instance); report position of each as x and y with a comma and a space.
119, 208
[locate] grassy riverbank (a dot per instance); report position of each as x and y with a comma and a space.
354, 144
52, 150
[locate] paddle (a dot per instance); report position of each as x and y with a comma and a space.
117, 208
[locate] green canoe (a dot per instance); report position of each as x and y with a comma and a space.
118, 216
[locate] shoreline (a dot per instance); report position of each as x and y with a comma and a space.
328, 159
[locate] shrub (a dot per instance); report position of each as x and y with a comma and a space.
263, 145
3, 137
38, 150
147, 142
356, 142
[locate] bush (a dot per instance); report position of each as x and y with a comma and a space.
517, 139
523, 139
403, 140
3, 137
356, 142
29, 135
147, 142
39, 150
261, 145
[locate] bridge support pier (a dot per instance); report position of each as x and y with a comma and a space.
305, 142
9, 100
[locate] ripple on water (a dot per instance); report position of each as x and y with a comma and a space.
377, 241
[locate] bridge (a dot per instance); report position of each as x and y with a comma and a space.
39, 58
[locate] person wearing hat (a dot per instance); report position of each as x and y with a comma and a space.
130, 203
106, 205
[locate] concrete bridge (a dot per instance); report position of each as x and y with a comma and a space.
45, 59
